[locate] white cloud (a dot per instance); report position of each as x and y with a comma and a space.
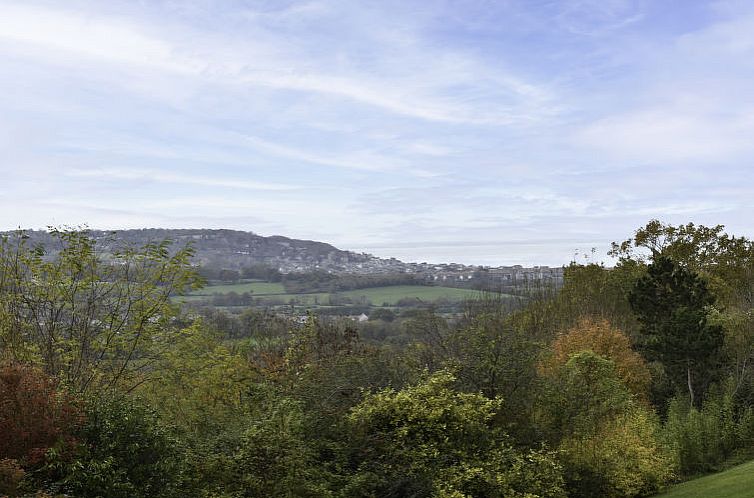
88, 36
414, 92
599, 17
176, 178
689, 100
358, 160
414, 122
663, 134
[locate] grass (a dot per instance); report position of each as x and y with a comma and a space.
394, 293
303, 299
736, 482
256, 288
378, 296
381, 295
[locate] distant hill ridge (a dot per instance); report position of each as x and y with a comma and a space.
232, 249
237, 250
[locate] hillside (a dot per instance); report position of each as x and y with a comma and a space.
234, 249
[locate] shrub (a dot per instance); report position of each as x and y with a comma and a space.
581, 396
430, 440
705, 438
34, 414
503, 472
625, 458
274, 458
124, 451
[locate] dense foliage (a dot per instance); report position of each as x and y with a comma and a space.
622, 381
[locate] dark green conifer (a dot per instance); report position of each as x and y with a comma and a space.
672, 304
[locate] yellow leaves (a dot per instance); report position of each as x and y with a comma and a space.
607, 341
626, 453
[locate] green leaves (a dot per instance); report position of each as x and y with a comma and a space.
430, 440
95, 319
672, 305
124, 452
725, 261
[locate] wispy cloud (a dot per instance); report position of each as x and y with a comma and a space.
119, 41
599, 17
87, 35
176, 178
358, 160
410, 125
662, 134
697, 107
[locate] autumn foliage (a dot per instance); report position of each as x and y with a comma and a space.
34, 414
607, 341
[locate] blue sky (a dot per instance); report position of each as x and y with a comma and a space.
489, 132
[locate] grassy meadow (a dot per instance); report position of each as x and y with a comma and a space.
257, 288
390, 295
737, 482
377, 296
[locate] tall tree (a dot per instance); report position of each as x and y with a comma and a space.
672, 304
724, 260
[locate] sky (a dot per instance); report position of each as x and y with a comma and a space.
477, 131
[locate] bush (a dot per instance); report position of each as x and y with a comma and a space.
430, 440
34, 414
274, 458
125, 452
581, 396
624, 459
504, 472
609, 342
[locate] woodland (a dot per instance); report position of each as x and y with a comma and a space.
624, 380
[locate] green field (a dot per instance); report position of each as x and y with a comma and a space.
312, 299
256, 288
394, 293
737, 482
378, 296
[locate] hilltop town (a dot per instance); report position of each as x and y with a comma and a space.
236, 250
